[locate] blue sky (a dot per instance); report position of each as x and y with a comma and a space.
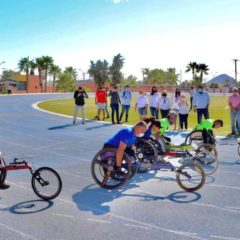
148, 33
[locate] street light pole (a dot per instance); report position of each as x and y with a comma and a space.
235, 66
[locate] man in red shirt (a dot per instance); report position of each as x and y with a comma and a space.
101, 101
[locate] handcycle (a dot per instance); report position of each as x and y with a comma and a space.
189, 176
46, 182
205, 155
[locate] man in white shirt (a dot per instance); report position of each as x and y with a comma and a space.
154, 102
126, 98
164, 104
142, 105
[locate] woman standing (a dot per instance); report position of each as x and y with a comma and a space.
154, 102
115, 101
126, 98
164, 104
183, 112
141, 105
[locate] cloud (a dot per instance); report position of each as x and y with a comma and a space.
118, 1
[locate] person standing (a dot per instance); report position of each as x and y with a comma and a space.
176, 100
154, 101
192, 92
183, 112
10, 89
234, 104
115, 101
106, 109
201, 101
141, 105
79, 96
164, 104
126, 98
101, 102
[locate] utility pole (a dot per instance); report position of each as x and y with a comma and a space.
235, 65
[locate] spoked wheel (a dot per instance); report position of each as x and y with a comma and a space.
206, 156
103, 169
147, 154
46, 183
190, 177
194, 138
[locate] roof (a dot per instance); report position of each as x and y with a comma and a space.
8, 81
222, 79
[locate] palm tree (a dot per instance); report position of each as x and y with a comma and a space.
33, 66
55, 71
192, 67
71, 71
145, 73
47, 63
24, 66
202, 69
40, 66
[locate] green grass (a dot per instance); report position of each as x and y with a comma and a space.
218, 110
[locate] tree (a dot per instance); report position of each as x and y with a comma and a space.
192, 67
203, 69
47, 63
9, 74
24, 66
40, 66
33, 66
99, 71
130, 80
115, 69
145, 72
55, 71
159, 76
65, 82
72, 71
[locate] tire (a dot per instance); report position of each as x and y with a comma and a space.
147, 155
41, 179
193, 174
207, 157
194, 139
103, 169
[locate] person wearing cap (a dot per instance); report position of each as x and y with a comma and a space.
201, 101
234, 104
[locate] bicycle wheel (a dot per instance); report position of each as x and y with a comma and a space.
206, 156
46, 183
147, 155
194, 138
103, 169
190, 177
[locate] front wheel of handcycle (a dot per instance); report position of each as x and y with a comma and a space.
103, 169
46, 183
190, 177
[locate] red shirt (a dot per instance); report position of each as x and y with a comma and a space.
101, 96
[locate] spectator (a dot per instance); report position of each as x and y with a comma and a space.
126, 98
183, 112
201, 101
115, 101
79, 96
10, 89
106, 109
234, 104
176, 100
142, 105
101, 101
154, 101
164, 104
192, 92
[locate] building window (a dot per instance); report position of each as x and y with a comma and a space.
21, 86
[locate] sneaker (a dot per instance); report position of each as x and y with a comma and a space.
4, 186
119, 172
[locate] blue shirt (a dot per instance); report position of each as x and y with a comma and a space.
125, 135
201, 100
148, 133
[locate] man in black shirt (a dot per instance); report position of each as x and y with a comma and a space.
79, 96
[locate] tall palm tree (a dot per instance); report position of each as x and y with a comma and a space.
24, 66
33, 66
192, 67
55, 71
47, 63
72, 71
202, 69
40, 66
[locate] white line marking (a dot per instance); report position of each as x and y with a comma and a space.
98, 220
62, 215
18, 232
223, 186
236, 208
216, 207
136, 226
224, 238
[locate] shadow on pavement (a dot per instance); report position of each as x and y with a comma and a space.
100, 126
68, 125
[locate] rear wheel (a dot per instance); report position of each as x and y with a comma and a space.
190, 177
46, 183
194, 138
206, 156
103, 169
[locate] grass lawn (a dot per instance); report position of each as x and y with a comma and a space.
218, 110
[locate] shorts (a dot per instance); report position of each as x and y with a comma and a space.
101, 106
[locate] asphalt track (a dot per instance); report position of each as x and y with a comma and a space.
150, 206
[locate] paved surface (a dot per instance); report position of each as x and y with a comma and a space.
150, 206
